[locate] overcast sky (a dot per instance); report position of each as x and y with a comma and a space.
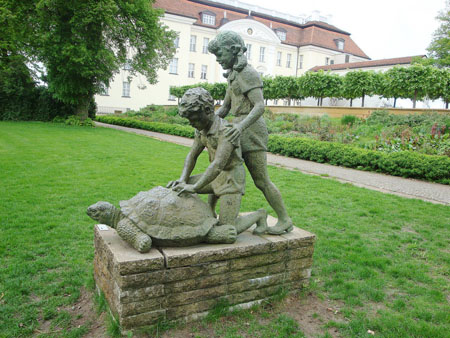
382, 28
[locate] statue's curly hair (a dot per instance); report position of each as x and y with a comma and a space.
196, 99
227, 39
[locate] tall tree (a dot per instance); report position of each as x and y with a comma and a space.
439, 48
84, 43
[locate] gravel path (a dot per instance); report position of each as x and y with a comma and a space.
410, 188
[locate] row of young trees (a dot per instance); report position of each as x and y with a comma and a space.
416, 83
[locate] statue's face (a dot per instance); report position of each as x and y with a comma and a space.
226, 57
200, 120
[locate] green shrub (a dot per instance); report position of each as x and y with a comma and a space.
348, 119
402, 163
159, 127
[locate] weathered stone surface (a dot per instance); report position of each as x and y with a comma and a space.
195, 284
256, 283
175, 299
301, 263
136, 295
255, 272
257, 260
193, 271
300, 252
246, 296
245, 245
129, 309
189, 309
141, 279
142, 319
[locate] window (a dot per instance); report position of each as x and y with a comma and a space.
249, 51
331, 62
327, 61
176, 42
209, 18
205, 45
347, 58
104, 91
193, 43
340, 43
203, 73
173, 67
288, 61
191, 70
275, 102
261, 54
278, 58
281, 35
172, 98
300, 62
126, 89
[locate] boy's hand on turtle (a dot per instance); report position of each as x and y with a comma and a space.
173, 184
182, 188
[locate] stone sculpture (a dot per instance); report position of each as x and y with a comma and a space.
244, 100
161, 217
176, 217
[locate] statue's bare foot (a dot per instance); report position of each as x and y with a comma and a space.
281, 227
261, 224
222, 234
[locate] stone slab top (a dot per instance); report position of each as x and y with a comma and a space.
128, 259
131, 261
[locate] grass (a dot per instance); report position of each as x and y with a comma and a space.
384, 257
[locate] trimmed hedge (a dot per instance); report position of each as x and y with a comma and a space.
165, 128
404, 163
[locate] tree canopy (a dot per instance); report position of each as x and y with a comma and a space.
439, 49
82, 44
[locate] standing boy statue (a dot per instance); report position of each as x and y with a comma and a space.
244, 99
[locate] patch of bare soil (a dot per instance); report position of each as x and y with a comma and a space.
82, 313
311, 313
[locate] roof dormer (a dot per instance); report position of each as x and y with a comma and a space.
281, 33
340, 43
208, 17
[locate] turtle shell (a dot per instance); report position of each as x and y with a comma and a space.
170, 219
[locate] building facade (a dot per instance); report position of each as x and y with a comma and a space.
277, 44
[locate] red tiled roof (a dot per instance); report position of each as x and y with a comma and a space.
314, 33
368, 64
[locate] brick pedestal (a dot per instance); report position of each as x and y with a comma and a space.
184, 283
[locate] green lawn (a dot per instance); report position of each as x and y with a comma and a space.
385, 258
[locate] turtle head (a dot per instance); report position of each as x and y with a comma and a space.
103, 212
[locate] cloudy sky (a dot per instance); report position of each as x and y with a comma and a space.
382, 28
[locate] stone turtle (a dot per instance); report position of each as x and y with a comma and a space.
166, 219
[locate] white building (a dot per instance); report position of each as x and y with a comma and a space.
277, 44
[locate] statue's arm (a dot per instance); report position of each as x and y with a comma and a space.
191, 159
225, 108
223, 153
255, 96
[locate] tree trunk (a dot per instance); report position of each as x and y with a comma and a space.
446, 104
363, 97
318, 101
82, 110
415, 99
395, 101
351, 102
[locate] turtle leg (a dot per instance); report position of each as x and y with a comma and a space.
128, 231
222, 234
